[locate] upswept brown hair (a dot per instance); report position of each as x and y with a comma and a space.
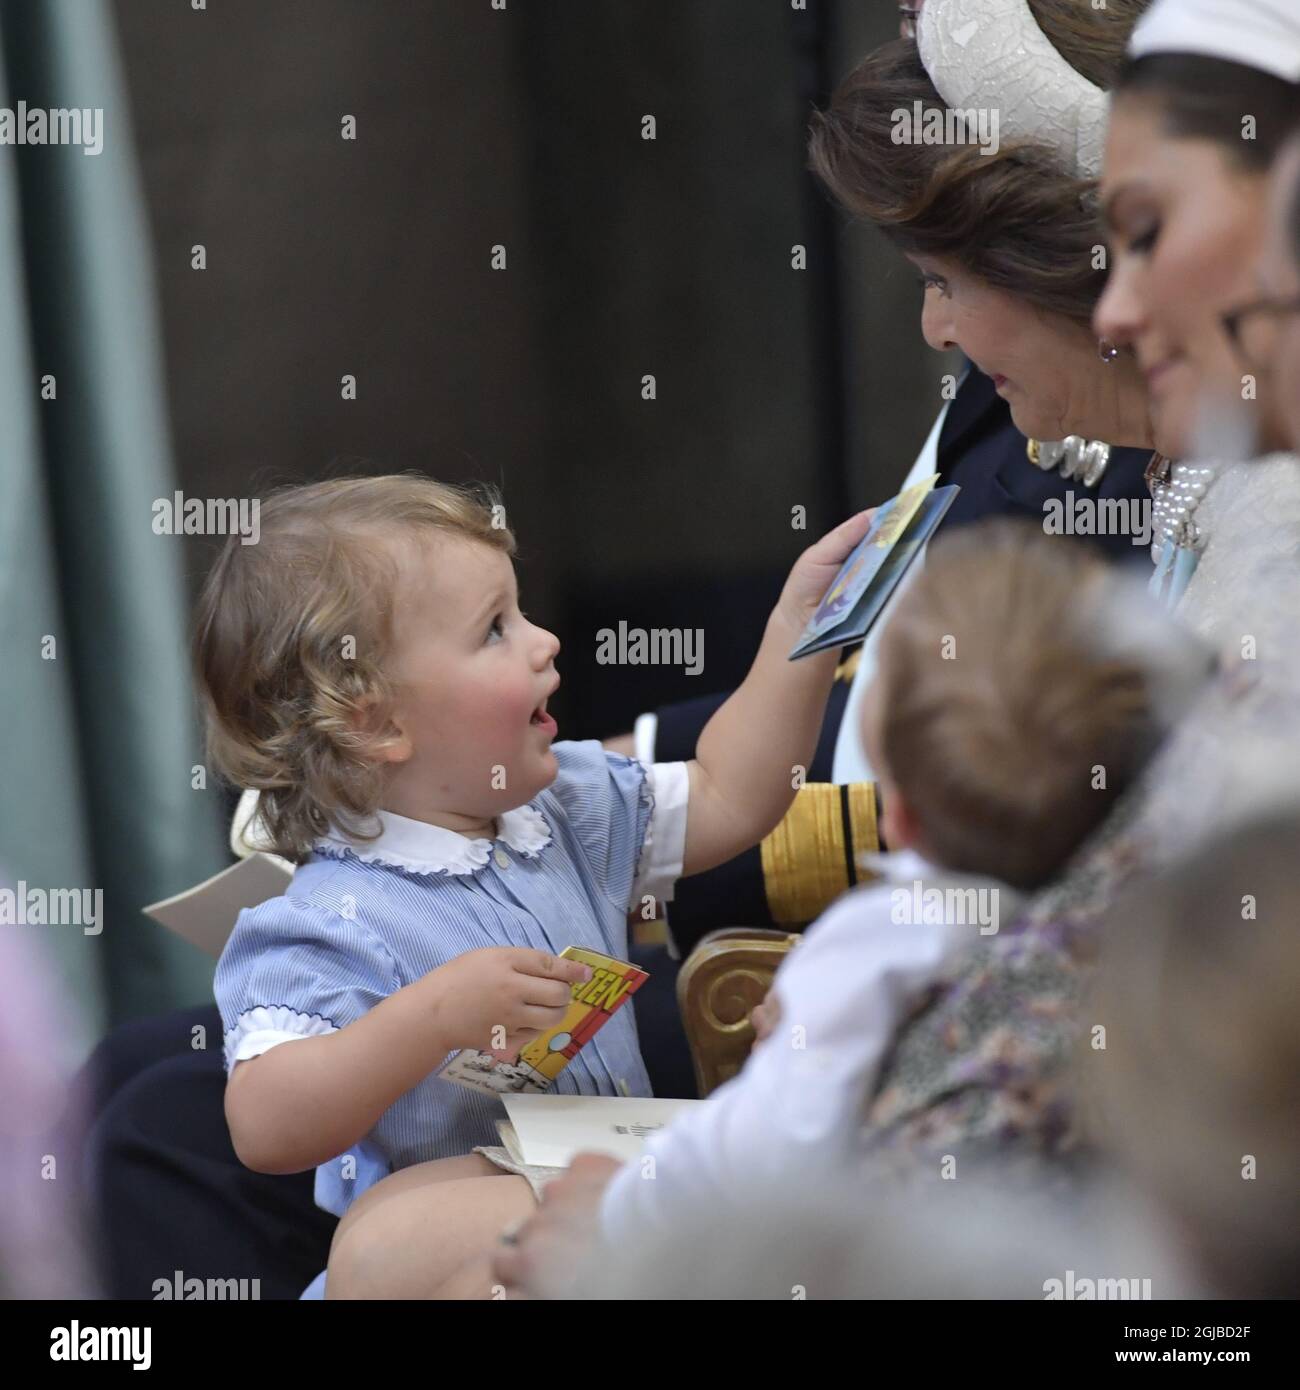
997, 699
1204, 98
292, 708
1014, 218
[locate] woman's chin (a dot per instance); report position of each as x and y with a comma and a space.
1043, 427
1173, 426
1291, 423
1170, 439
1033, 425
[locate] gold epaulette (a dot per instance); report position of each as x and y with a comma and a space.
848, 668
811, 857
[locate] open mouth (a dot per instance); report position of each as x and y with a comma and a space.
540, 719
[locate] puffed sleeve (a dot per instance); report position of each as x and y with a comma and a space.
627, 819
294, 969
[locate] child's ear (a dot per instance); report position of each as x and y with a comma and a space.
387, 740
869, 719
899, 828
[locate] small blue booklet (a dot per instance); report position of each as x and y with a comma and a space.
881, 558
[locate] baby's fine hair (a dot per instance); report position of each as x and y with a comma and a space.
292, 639
1007, 722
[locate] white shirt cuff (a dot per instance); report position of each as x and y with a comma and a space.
259, 1030
664, 847
644, 733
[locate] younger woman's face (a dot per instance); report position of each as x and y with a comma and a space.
1184, 226
1275, 336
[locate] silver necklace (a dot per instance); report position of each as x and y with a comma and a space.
1076, 457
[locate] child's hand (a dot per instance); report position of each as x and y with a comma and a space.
497, 998
815, 569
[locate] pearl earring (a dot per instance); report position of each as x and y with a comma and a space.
1107, 350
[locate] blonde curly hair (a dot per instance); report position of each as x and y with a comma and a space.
292, 639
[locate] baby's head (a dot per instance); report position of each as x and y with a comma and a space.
1001, 724
369, 651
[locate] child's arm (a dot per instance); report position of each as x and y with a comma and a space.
742, 778
304, 1102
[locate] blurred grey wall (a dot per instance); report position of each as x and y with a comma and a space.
892, 380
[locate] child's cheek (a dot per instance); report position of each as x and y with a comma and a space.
489, 715
503, 713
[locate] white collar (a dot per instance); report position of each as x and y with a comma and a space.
421, 848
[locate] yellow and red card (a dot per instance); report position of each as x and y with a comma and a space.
592, 1004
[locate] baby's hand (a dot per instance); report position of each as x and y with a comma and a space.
497, 998
817, 567
765, 1016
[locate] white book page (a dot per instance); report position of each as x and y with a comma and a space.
551, 1129
205, 914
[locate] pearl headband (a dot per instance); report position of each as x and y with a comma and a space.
991, 55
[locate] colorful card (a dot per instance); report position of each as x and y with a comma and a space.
872, 572
543, 1058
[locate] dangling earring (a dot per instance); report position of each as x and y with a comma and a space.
1107, 350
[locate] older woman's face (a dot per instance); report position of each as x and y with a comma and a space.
1275, 336
1184, 230
1038, 361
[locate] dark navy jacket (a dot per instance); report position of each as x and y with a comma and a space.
982, 451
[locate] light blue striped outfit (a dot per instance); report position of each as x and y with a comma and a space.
362, 920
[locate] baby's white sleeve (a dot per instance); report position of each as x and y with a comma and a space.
796, 1107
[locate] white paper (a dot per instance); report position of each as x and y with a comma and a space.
205, 914
551, 1129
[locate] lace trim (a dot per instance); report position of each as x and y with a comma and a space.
646, 793
269, 1024
419, 848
